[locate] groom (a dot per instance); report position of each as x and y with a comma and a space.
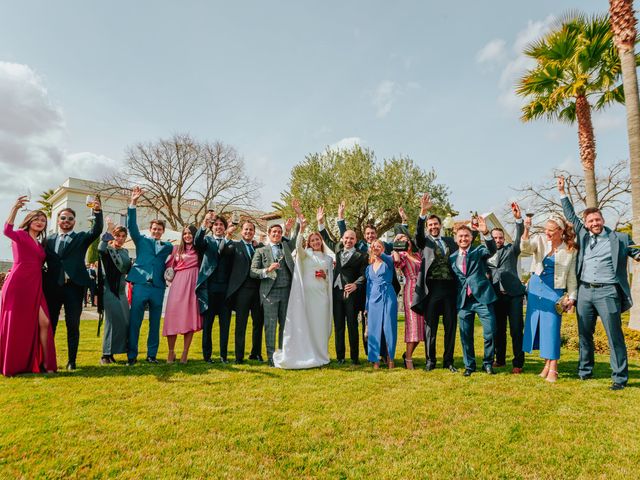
273, 265
349, 281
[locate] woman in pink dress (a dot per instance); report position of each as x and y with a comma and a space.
182, 316
409, 263
26, 336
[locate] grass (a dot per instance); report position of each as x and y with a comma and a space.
250, 421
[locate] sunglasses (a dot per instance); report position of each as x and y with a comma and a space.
64, 217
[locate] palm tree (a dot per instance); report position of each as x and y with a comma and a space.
623, 26
577, 70
47, 207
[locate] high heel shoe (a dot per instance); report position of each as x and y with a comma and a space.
552, 376
409, 364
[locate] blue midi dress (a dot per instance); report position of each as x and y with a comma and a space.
382, 308
542, 323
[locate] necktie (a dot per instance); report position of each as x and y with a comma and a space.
464, 269
594, 240
346, 255
62, 244
441, 244
158, 246
250, 250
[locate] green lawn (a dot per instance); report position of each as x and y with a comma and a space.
251, 421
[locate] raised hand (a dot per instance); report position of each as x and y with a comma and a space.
136, 193
295, 204
403, 214
527, 222
110, 224
97, 204
288, 225
561, 183
515, 209
20, 202
303, 224
320, 216
230, 230
207, 222
425, 204
341, 209
482, 225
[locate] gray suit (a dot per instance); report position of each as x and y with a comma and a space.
503, 267
274, 291
605, 300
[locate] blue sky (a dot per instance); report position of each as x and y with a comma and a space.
82, 80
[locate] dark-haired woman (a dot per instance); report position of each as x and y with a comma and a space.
114, 266
182, 316
26, 336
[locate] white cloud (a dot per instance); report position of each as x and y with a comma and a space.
603, 121
384, 96
33, 138
517, 63
346, 143
494, 51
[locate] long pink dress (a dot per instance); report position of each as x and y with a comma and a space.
22, 297
182, 314
413, 323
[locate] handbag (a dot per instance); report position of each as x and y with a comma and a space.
169, 274
560, 308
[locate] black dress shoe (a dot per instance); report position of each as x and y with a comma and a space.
271, 364
429, 367
341, 361
452, 369
467, 372
105, 360
489, 369
355, 362
131, 362
71, 366
209, 360
152, 359
587, 376
224, 361
617, 386
239, 361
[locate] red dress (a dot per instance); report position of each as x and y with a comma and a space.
22, 297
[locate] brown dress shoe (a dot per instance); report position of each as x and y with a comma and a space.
516, 370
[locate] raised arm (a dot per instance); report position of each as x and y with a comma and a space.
323, 231
342, 224
132, 220
567, 208
104, 241
98, 222
517, 214
8, 226
300, 240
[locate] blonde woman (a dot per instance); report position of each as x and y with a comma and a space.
552, 287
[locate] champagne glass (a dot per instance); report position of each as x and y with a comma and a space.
90, 202
235, 217
26, 192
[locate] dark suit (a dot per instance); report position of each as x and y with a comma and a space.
243, 296
503, 267
435, 297
66, 279
345, 308
211, 290
475, 296
605, 300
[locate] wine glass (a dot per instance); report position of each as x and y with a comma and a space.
25, 192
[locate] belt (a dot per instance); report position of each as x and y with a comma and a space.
595, 285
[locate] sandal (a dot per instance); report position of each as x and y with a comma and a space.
171, 357
408, 364
552, 376
544, 372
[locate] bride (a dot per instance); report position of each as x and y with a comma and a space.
308, 325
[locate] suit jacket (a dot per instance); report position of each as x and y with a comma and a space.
240, 265
505, 272
149, 266
216, 259
353, 270
620, 250
477, 276
72, 260
264, 257
428, 246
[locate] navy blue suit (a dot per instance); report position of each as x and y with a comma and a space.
211, 289
147, 276
478, 301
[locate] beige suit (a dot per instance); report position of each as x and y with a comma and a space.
564, 275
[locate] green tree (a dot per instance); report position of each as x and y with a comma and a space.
46, 206
623, 26
372, 190
577, 70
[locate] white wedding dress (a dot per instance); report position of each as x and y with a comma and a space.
305, 342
